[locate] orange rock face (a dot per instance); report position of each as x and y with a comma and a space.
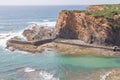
73, 25
117, 18
93, 8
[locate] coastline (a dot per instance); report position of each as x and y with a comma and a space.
68, 47
78, 31
72, 50
77, 37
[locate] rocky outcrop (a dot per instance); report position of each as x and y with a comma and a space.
29, 46
73, 25
76, 25
36, 37
38, 33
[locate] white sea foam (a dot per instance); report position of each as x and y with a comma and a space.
103, 77
22, 52
47, 76
28, 69
6, 36
50, 24
45, 20
33, 73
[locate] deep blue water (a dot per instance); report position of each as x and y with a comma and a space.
14, 18
34, 12
50, 65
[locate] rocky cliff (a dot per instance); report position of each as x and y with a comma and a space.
89, 28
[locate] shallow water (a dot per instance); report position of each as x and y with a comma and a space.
17, 66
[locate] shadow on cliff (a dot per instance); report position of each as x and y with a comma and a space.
67, 33
113, 37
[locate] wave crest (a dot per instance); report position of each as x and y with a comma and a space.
50, 24
40, 74
28, 69
47, 76
4, 37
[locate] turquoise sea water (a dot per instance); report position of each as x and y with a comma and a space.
60, 67
49, 65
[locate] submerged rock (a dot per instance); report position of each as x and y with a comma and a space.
10, 48
114, 75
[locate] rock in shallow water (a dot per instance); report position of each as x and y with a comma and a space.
10, 48
38, 33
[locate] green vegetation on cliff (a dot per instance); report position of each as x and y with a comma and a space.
108, 12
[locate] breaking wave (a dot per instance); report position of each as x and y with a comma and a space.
47, 76
103, 77
6, 36
28, 69
39, 74
47, 23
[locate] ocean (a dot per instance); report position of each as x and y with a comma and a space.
50, 65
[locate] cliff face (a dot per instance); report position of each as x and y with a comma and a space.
74, 25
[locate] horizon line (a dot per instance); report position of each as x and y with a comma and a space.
60, 4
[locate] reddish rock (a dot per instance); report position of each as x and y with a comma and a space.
117, 18
73, 25
94, 8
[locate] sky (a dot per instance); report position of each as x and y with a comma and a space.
57, 2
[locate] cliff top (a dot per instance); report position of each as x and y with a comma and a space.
105, 11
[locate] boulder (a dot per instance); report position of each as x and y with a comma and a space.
38, 33
10, 48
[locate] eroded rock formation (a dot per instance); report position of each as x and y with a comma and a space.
36, 36
76, 25
38, 33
